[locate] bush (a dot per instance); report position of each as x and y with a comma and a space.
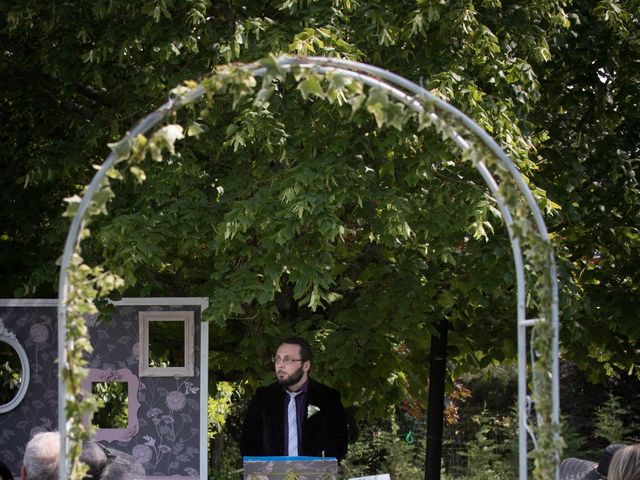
384, 448
609, 423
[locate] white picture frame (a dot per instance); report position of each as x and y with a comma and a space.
146, 319
9, 338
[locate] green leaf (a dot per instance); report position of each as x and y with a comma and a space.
377, 102
311, 86
138, 173
195, 129
122, 148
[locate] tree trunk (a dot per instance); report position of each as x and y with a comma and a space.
435, 408
216, 451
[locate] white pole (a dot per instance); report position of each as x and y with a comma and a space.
204, 397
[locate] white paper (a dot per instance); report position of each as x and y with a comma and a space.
383, 476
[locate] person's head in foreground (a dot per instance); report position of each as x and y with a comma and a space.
43, 450
625, 464
41, 456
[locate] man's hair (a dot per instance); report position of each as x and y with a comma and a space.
605, 458
5, 473
625, 464
41, 456
305, 348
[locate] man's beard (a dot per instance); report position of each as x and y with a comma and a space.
292, 379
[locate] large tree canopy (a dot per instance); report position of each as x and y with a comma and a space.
301, 216
588, 164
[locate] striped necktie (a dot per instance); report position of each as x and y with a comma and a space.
292, 418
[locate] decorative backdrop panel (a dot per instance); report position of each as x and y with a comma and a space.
36, 330
167, 438
167, 442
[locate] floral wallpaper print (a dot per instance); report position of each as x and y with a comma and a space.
167, 442
171, 442
36, 330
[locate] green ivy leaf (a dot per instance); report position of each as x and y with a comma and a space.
311, 86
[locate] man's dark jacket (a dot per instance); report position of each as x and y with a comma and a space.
324, 432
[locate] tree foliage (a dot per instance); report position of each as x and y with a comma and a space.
304, 216
589, 163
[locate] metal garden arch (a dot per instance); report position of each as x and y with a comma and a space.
415, 98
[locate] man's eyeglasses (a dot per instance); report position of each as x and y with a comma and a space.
286, 359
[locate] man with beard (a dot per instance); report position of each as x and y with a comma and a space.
295, 415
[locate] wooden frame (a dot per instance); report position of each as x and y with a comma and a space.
123, 375
187, 370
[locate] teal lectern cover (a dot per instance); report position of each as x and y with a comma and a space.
290, 468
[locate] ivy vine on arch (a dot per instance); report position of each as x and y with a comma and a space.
393, 101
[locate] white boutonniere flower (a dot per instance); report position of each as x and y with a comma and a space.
312, 410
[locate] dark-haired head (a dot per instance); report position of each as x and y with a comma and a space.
305, 348
5, 473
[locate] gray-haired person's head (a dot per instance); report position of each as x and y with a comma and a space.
625, 464
41, 456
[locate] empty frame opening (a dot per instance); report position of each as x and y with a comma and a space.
114, 412
166, 344
117, 419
